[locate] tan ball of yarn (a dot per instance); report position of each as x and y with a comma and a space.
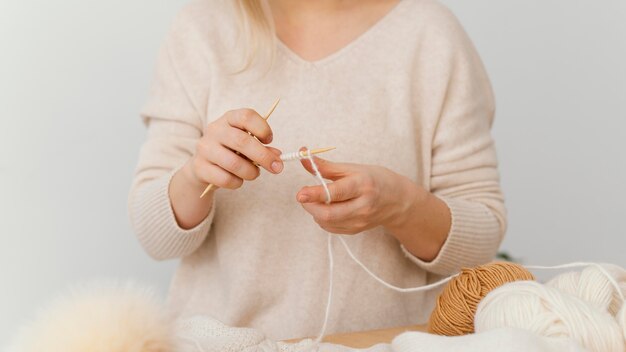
456, 305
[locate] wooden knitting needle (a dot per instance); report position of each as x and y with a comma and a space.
267, 116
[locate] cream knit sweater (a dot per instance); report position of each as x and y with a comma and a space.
410, 94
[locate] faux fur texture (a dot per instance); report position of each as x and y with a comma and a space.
100, 317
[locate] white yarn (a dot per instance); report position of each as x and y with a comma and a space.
602, 285
299, 155
548, 312
621, 320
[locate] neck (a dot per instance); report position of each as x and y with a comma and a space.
293, 11
314, 5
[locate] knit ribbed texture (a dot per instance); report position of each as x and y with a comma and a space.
473, 238
152, 213
410, 95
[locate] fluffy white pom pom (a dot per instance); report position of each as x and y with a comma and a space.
100, 317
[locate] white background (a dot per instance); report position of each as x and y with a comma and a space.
74, 74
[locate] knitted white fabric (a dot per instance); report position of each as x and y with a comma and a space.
205, 334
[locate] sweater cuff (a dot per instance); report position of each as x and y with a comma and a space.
473, 239
156, 226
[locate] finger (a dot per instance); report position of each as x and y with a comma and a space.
250, 121
340, 190
339, 230
214, 174
252, 149
231, 162
328, 169
332, 214
276, 151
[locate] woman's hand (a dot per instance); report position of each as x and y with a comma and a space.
216, 160
367, 196
362, 197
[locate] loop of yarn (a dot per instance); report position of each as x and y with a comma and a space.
549, 312
299, 155
454, 311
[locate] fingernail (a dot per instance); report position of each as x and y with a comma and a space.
303, 198
277, 167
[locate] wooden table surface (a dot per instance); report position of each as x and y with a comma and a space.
369, 338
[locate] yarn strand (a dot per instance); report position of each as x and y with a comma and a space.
388, 285
330, 291
320, 179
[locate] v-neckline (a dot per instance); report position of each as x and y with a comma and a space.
346, 48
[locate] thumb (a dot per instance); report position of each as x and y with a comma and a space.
328, 169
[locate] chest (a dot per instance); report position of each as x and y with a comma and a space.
369, 118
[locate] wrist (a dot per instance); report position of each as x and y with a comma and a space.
421, 221
407, 199
189, 175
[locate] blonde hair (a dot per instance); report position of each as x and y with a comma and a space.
256, 33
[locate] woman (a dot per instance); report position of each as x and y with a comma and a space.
396, 86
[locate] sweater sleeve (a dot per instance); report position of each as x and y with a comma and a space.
173, 115
464, 168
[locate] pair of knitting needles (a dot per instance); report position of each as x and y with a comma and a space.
284, 157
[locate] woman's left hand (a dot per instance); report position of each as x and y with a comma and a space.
362, 197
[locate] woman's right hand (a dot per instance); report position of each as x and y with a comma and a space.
216, 161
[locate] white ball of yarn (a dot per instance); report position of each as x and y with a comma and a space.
621, 320
548, 312
596, 285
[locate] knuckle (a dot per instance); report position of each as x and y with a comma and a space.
212, 126
230, 182
337, 193
233, 163
241, 140
229, 117
246, 116
367, 183
201, 146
